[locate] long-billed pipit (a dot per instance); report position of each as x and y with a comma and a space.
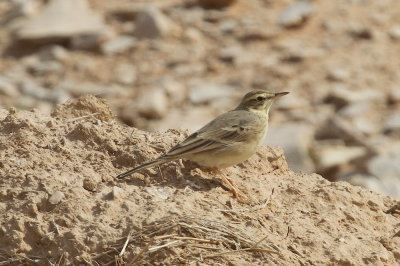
229, 139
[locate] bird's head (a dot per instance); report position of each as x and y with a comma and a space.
259, 100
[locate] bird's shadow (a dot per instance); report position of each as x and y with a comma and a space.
175, 174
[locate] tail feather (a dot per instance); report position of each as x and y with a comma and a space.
143, 166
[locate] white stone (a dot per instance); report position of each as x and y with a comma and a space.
62, 19
393, 123
346, 96
206, 92
118, 45
295, 139
153, 104
7, 88
152, 23
116, 192
296, 14
56, 197
333, 155
125, 74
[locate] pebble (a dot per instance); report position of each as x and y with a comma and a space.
386, 186
229, 54
395, 32
296, 14
338, 74
152, 104
54, 53
46, 67
206, 92
392, 123
342, 96
152, 23
30, 88
8, 88
330, 155
56, 197
161, 193
385, 165
356, 109
125, 74
228, 26
116, 192
360, 31
118, 45
394, 95
61, 19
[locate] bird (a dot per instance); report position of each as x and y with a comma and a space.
231, 138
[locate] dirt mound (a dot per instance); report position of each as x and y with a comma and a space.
87, 105
61, 204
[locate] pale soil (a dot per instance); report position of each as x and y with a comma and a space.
301, 219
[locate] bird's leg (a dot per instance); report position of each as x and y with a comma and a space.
229, 183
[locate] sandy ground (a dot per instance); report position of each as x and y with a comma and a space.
60, 203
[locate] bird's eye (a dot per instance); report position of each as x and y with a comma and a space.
260, 98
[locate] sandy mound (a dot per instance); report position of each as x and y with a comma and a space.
60, 202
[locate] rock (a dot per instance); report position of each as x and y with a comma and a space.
364, 125
54, 53
338, 74
206, 92
395, 32
394, 96
342, 96
62, 20
229, 54
176, 91
215, 3
330, 155
56, 197
360, 31
295, 139
385, 165
116, 192
161, 193
193, 35
7, 88
118, 45
152, 104
392, 124
228, 26
338, 128
296, 14
45, 67
356, 109
152, 23
22, 8
31, 89
386, 186
125, 74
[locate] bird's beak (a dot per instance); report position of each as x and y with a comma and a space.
280, 94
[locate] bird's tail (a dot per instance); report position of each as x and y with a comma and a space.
143, 166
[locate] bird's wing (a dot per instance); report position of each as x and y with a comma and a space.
228, 128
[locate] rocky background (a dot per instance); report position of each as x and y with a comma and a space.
177, 64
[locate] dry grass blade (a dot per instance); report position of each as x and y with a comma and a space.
136, 258
188, 237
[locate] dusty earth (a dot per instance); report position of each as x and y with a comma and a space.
60, 203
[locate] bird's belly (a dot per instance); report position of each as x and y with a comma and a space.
225, 157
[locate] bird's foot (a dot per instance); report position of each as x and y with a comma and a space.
239, 195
